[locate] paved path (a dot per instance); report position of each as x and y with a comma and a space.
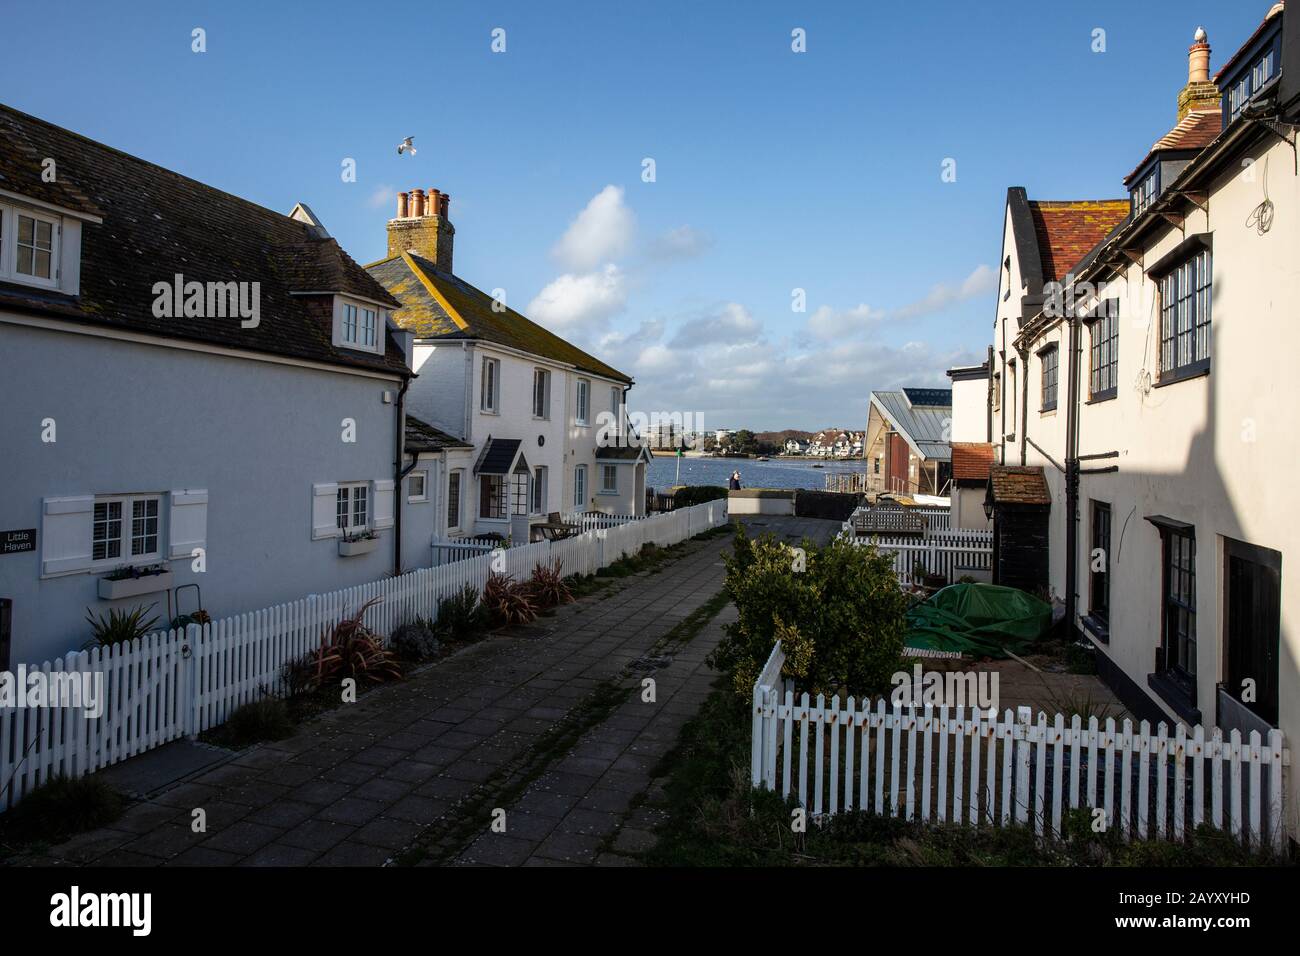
546, 724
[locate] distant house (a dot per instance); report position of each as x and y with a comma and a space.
796, 446
538, 413
907, 441
195, 390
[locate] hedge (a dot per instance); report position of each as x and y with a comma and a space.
697, 494
834, 505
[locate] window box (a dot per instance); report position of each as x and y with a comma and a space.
134, 582
360, 544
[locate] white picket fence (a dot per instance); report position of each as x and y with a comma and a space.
950, 553
182, 682
936, 765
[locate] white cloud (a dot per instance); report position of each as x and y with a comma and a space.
982, 281
684, 242
732, 324
827, 323
580, 303
382, 196
601, 232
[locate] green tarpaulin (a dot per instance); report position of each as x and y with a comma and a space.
979, 620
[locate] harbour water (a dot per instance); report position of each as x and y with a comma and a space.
777, 473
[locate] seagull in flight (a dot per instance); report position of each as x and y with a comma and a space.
406, 146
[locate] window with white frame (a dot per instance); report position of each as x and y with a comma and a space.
357, 325
29, 243
352, 512
539, 490
580, 487
583, 407
489, 399
541, 393
615, 400
609, 479
493, 497
1241, 90
453, 499
417, 486
125, 528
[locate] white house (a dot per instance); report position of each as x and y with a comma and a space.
533, 412
202, 398
972, 450
1154, 390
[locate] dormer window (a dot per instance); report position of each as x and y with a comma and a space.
358, 325
1144, 193
1248, 84
29, 246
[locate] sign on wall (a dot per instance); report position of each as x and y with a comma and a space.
12, 542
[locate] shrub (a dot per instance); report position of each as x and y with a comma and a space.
299, 676
414, 642
120, 626
697, 495
350, 649
840, 620
508, 601
265, 719
834, 505
462, 615
548, 586
63, 806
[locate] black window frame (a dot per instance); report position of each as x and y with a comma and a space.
1178, 639
1049, 385
1103, 352
1140, 200
1186, 295
1099, 581
1268, 697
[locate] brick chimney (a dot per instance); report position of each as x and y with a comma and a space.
422, 227
1200, 93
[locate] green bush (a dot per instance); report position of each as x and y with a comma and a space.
120, 627
64, 806
265, 719
840, 619
835, 505
414, 642
697, 495
462, 615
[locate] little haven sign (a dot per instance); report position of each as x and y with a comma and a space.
12, 542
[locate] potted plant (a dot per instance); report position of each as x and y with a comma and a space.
362, 542
125, 582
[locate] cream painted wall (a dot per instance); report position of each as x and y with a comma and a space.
1218, 452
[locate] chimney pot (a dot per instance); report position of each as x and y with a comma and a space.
1198, 59
446, 204
434, 205
417, 203
402, 205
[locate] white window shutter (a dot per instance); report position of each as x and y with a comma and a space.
324, 511
67, 525
188, 524
383, 503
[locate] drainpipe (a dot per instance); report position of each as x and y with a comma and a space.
1024, 403
1072, 476
988, 401
399, 474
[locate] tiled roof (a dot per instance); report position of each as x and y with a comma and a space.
971, 460
1067, 231
1196, 130
156, 224
441, 305
924, 426
421, 436
1019, 485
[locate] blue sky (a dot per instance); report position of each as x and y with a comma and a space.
774, 170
